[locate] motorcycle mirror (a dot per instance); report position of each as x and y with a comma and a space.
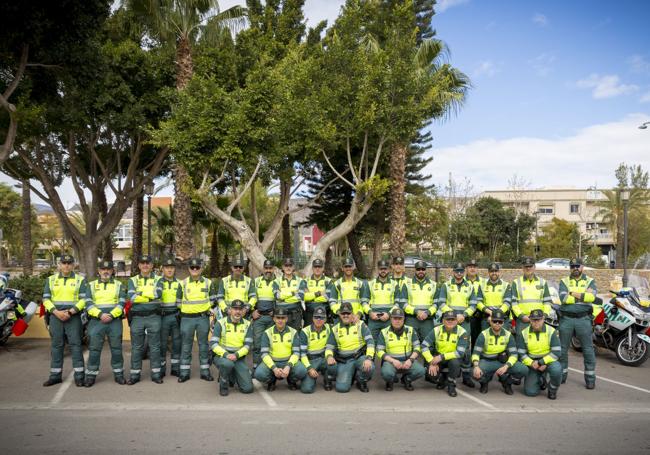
18, 295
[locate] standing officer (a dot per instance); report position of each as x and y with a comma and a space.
350, 351
383, 292
198, 299
577, 296
318, 292
398, 347
529, 292
291, 294
422, 301
350, 289
64, 297
495, 352
539, 349
280, 353
172, 293
444, 349
266, 288
144, 317
471, 275
105, 311
496, 295
236, 286
459, 297
401, 281
313, 339
231, 340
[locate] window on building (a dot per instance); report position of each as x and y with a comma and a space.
591, 226
545, 209
124, 233
574, 207
603, 231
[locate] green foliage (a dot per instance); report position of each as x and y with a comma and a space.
32, 286
559, 238
593, 256
427, 219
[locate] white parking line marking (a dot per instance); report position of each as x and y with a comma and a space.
629, 386
477, 400
268, 398
66, 384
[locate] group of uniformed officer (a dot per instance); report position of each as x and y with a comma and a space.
305, 329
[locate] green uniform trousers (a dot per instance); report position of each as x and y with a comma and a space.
582, 329
97, 332
189, 327
376, 327
534, 378
449, 371
140, 324
308, 384
475, 326
520, 326
169, 327
466, 361
259, 326
489, 367
59, 332
236, 371
346, 370
265, 375
389, 372
423, 328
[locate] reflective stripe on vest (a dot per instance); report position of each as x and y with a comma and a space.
538, 348
458, 299
422, 296
319, 285
493, 294
316, 341
144, 285
349, 339
580, 286
530, 294
286, 285
447, 341
105, 294
265, 294
494, 346
382, 294
170, 291
233, 336
236, 289
281, 347
196, 295
349, 291
65, 291
401, 346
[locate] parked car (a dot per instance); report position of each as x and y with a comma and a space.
555, 264
409, 262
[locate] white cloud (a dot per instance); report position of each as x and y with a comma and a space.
639, 64
645, 98
314, 10
606, 86
444, 5
486, 68
542, 64
589, 157
540, 19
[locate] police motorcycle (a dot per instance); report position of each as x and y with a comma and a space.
553, 318
15, 314
623, 327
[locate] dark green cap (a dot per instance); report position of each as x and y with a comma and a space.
67, 259
238, 262
169, 262
287, 262
268, 263
320, 313
348, 262
398, 260
494, 267
280, 311
576, 262
195, 262
106, 265
536, 314
237, 304
420, 265
527, 262
383, 264
144, 258
449, 315
459, 267
346, 307
397, 313
317, 263
497, 315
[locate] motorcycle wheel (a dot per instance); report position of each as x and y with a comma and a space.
631, 356
575, 344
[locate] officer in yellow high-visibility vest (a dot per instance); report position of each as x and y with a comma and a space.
313, 340
280, 353
529, 292
444, 349
539, 349
350, 351
291, 294
579, 304
266, 288
64, 298
172, 293
459, 297
236, 286
105, 310
422, 302
144, 318
318, 292
495, 294
349, 289
383, 293
400, 280
398, 347
495, 352
199, 297
231, 341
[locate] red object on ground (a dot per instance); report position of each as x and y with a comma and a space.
19, 327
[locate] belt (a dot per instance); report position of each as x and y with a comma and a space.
575, 315
316, 356
194, 315
145, 313
265, 312
168, 312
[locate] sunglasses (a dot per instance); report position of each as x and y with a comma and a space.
237, 266
497, 322
575, 266
195, 268
420, 270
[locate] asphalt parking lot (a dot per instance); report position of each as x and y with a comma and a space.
192, 417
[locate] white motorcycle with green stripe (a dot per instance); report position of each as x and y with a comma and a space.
623, 327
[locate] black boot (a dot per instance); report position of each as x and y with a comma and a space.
467, 381
157, 380
133, 380
183, 378
484, 387
389, 386
363, 386
515, 381
451, 389
90, 381
52, 381
175, 373
507, 386
207, 377
292, 385
408, 385
79, 382
271, 385
223, 388
542, 383
591, 386
552, 393
120, 380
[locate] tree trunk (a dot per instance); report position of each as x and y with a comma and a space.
378, 241
619, 239
329, 262
225, 265
398, 200
286, 237
107, 245
28, 267
87, 253
214, 253
355, 250
136, 244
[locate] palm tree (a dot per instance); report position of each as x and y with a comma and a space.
183, 23
162, 230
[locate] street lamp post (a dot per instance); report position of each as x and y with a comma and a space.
148, 190
625, 197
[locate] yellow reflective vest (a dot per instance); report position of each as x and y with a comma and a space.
196, 295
